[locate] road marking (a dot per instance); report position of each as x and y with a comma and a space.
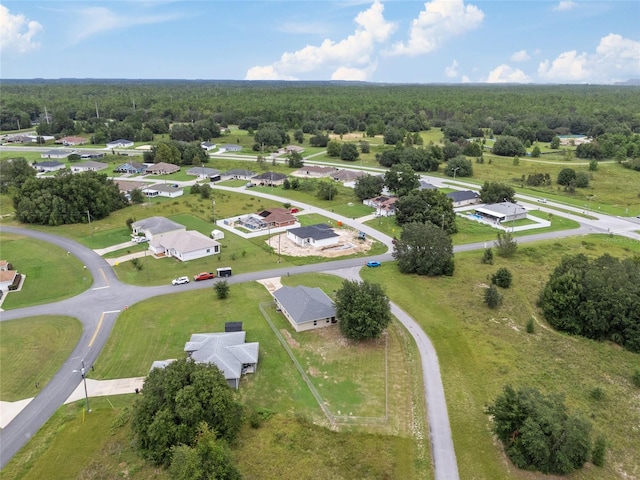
101, 288
112, 311
104, 277
100, 325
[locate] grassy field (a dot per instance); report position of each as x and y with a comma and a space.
51, 274
36, 347
481, 350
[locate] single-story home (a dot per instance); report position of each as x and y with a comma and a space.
163, 190
127, 187
155, 226
52, 166
4, 266
269, 179
272, 218
314, 171
226, 350
91, 155
385, 205
208, 146
462, 198
57, 153
7, 277
72, 141
120, 143
131, 167
162, 168
203, 172
238, 174
229, 147
319, 235
89, 166
347, 177
306, 308
184, 245
291, 149
426, 186
501, 212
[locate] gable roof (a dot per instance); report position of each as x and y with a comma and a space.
184, 241
277, 215
162, 187
463, 195
90, 165
209, 172
132, 166
305, 304
426, 186
51, 164
319, 231
127, 186
347, 175
227, 350
162, 167
272, 176
156, 225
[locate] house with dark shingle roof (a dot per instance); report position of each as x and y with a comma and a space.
51, 166
268, 179
238, 174
319, 235
306, 308
464, 197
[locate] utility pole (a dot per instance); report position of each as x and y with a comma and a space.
46, 115
97, 113
213, 206
89, 219
83, 372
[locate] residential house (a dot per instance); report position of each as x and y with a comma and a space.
306, 308
226, 350
208, 146
463, 198
89, 166
153, 227
70, 141
131, 168
52, 166
57, 153
272, 218
184, 245
384, 205
426, 186
7, 277
238, 174
162, 168
163, 190
4, 266
314, 171
347, 177
269, 179
291, 149
120, 143
126, 187
90, 155
203, 172
501, 212
229, 147
318, 236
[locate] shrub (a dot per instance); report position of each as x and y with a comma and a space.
487, 256
635, 378
222, 289
531, 326
597, 394
492, 297
502, 278
599, 452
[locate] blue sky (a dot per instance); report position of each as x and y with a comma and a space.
439, 41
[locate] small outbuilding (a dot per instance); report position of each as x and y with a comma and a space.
217, 234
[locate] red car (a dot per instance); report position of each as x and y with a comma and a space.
204, 276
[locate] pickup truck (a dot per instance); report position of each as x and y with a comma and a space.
204, 276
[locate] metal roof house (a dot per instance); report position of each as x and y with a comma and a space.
319, 235
227, 350
306, 308
502, 212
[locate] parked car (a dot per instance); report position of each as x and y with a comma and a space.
373, 263
180, 280
204, 276
139, 239
542, 200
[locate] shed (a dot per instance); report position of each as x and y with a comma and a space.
217, 234
233, 326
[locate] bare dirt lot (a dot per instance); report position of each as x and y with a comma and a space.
348, 245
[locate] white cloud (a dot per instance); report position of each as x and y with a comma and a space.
353, 74
452, 70
91, 21
465, 79
439, 21
564, 6
266, 73
520, 56
350, 56
616, 58
505, 74
17, 32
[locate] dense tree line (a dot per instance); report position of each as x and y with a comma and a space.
598, 299
137, 109
67, 198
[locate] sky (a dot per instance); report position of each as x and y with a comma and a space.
438, 41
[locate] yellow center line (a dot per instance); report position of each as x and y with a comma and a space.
104, 277
97, 329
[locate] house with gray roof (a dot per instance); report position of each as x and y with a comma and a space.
163, 190
120, 143
229, 147
184, 245
227, 351
51, 166
238, 174
462, 198
318, 236
155, 226
89, 166
501, 212
204, 172
306, 308
57, 153
426, 186
268, 179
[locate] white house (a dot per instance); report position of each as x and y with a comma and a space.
163, 190
208, 146
184, 245
318, 236
120, 143
57, 153
52, 166
89, 166
154, 227
502, 212
305, 308
385, 205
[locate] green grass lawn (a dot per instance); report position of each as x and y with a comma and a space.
51, 274
31, 351
481, 350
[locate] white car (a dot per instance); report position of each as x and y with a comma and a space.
180, 280
139, 239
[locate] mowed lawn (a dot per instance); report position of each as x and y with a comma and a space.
481, 350
51, 274
31, 351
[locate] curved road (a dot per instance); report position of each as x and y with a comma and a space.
98, 309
